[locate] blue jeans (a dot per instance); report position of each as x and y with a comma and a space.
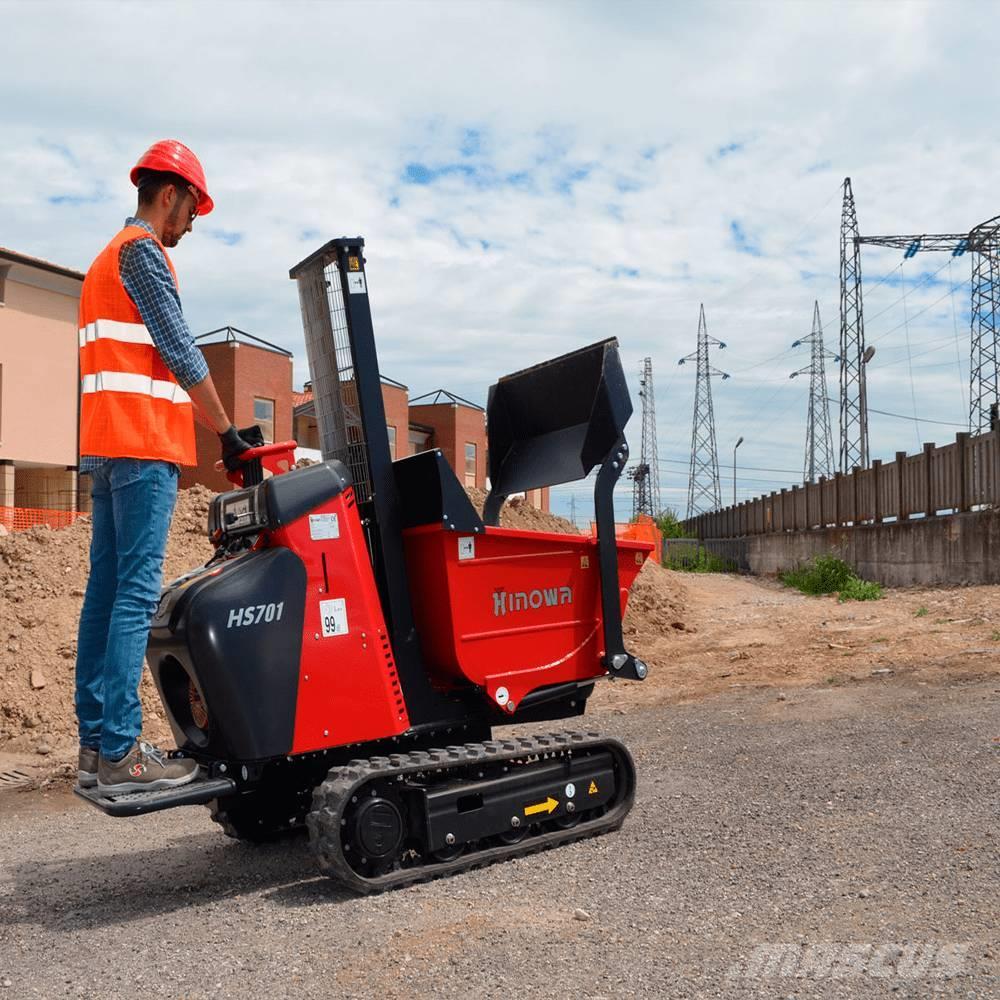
133, 501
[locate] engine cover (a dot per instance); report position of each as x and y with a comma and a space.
234, 632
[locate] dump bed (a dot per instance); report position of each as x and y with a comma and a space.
511, 610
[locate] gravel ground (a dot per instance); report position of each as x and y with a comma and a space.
855, 818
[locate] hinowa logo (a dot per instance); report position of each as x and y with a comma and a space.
525, 600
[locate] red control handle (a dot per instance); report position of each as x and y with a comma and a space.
276, 458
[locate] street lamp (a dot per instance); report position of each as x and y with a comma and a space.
735, 446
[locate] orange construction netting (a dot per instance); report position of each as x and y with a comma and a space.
643, 529
22, 518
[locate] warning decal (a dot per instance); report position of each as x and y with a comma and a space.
593, 788
323, 526
467, 548
333, 617
356, 282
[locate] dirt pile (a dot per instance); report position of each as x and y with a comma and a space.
516, 513
43, 573
655, 606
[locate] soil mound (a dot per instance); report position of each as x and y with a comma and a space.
517, 513
43, 574
655, 607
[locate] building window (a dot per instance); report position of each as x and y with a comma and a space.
470, 463
263, 416
418, 441
4, 269
392, 440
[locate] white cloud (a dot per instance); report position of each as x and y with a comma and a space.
609, 118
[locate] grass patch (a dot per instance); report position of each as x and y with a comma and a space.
857, 589
995, 636
920, 613
830, 575
696, 561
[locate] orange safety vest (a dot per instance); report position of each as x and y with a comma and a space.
130, 403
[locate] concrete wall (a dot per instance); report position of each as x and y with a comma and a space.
954, 549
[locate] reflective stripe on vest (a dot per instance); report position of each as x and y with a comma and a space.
113, 329
130, 382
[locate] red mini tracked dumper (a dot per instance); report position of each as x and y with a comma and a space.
344, 658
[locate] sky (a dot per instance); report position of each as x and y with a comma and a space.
534, 177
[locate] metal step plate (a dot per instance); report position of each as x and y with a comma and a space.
194, 793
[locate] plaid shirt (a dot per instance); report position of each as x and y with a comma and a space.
150, 285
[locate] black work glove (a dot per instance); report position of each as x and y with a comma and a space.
232, 447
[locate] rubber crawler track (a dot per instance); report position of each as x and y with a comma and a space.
331, 798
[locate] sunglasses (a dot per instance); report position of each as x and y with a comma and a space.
193, 191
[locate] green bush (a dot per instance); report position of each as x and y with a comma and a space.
824, 575
830, 575
670, 524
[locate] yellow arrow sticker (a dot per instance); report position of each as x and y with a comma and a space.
593, 788
548, 806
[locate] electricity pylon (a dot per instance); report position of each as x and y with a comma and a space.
704, 492
853, 395
646, 475
819, 437
984, 367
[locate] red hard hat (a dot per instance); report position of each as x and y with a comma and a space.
169, 154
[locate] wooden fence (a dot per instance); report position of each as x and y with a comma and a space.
963, 475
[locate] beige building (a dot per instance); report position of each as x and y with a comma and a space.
38, 383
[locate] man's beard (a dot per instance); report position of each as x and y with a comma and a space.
174, 224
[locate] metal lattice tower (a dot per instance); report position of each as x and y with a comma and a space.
853, 396
984, 367
646, 475
983, 244
819, 460
704, 491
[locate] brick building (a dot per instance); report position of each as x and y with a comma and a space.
254, 382
458, 428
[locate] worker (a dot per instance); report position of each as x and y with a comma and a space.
141, 375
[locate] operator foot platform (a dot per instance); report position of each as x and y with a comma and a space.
194, 793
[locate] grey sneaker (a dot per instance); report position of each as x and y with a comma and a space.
86, 773
144, 768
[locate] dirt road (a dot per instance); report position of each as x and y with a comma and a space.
743, 633
818, 839
862, 816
